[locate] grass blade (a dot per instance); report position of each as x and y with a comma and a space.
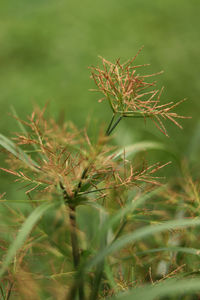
25, 132
140, 234
16, 151
172, 249
26, 228
20, 124
169, 287
132, 150
129, 208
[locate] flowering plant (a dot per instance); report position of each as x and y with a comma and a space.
130, 95
62, 167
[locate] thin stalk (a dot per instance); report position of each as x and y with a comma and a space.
95, 191
84, 174
97, 281
98, 274
111, 122
100, 268
75, 246
9, 291
74, 238
74, 243
119, 230
76, 284
73, 232
2, 293
108, 132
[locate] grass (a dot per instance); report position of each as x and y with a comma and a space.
97, 221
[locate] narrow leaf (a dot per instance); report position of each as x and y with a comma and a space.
172, 249
18, 152
129, 208
139, 234
169, 287
132, 150
23, 233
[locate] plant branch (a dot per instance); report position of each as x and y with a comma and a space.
74, 237
112, 127
75, 245
84, 174
110, 124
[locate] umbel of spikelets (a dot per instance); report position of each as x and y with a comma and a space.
131, 95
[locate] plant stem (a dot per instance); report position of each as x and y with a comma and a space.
98, 273
107, 131
119, 230
74, 238
84, 174
73, 231
112, 127
97, 281
74, 242
9, 291
75, 246
100, 267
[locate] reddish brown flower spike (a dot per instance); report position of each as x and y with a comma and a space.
131, 95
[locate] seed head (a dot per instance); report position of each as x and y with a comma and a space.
131, 95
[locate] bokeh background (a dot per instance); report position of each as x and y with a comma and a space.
46, 47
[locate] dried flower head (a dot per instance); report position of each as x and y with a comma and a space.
63, 160
130, 94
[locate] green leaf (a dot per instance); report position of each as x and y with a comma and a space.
23, 129
132, 150
139, 234
21, 126
172, 249
24, 231
109, 275
129, 208
18, 152
169, 287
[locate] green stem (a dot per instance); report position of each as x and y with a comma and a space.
73, 231
74, 243
111, 122
2, 293
112, 127
74, 238
75, 246
100, 267
97, 281
98, 274
84, 174
120, 230
9, 291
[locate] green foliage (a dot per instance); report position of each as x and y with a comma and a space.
172, 288
23, 233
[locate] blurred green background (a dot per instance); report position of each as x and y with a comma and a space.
47, 46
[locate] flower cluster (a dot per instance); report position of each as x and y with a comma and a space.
63, 160
131, 95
